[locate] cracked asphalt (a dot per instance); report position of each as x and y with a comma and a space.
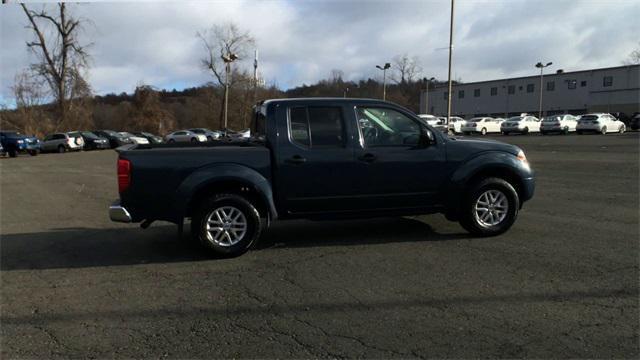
562, 283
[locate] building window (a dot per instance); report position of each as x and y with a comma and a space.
494, 91
446, 95
530, 88
520, 87
511, 89
461, 94
476, 93
571, 84
583, 83
607, 81
551, 85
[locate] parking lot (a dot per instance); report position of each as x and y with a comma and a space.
563, 282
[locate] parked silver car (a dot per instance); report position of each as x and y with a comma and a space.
185, 136
210, 134
62, 142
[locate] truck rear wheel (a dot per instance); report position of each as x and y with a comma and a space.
490, 208
226, 224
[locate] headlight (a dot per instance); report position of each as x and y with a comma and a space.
522, 158
20, 141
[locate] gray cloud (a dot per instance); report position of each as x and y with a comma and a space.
300, 42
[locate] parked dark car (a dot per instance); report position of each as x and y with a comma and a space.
14, 142
115, 139
634, 123
622, 117
94, 142
322, 159
153, 139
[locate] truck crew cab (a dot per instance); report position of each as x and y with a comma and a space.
322, 158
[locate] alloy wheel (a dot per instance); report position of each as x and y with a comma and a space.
226, 226
491, 208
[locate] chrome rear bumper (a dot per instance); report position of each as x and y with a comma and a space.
118, 213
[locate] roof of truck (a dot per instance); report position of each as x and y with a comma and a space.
323, 99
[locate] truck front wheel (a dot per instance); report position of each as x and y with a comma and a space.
490, 208
226, 224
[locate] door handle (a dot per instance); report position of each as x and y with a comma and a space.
368, 157
296, 159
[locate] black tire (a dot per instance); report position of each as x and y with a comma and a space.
483, 131
470, 221
565, 131
33, 152
171, 141
525, 131
62, 149
12, 152
543, 133
194, 140
603, 131
505, 133
209, 138
622, 129
253, 230
579, 132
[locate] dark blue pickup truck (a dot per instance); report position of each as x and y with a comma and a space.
322, 158
14, 142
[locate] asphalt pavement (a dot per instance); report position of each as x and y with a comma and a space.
563, 282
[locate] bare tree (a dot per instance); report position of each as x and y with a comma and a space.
406, 69
219, 41
634, 57
336, 76
61, 57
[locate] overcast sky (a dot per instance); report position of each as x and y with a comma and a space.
300, 42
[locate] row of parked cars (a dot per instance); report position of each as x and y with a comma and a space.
13, 142
564, 123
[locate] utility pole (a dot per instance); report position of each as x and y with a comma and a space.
450, 57
539, 65
255, 76
228, 59
384, 79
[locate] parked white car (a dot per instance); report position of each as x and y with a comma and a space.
135, 139
62, 142
520, 124
600, 122
430, 119
455, 125
482, 125
185, 136
563, 124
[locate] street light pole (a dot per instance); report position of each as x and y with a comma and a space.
450, 57
426, 100
228, 59
539, 65
384, 79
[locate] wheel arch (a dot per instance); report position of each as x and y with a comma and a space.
227, 178
500, 165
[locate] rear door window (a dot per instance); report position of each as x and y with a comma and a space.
317, 126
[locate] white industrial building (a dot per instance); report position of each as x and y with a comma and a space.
614, 89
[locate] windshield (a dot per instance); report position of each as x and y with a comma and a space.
89, 135
12, 134
589, 117
111, 133
478, 119
515, 118
552, 119
126, 134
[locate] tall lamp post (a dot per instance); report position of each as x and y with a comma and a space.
384, 79
539, 65
426, 97
228, 59
450, 59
